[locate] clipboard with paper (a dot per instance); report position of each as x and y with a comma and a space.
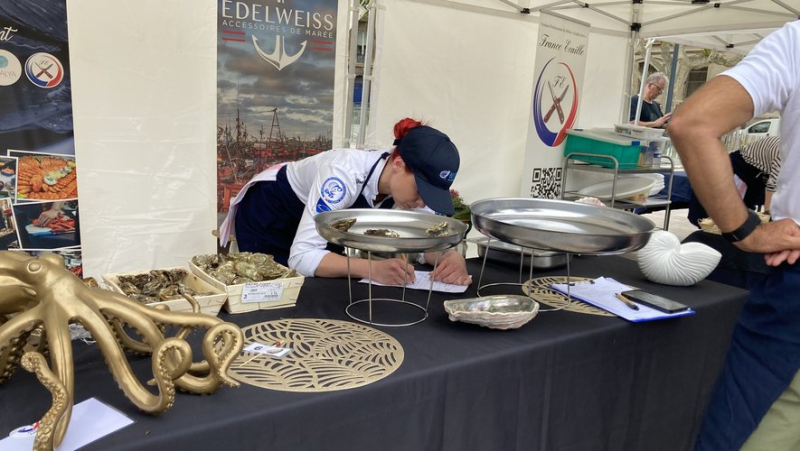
602, 293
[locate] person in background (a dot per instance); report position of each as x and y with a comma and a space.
651, 116
274, 212
755, 404
757, 164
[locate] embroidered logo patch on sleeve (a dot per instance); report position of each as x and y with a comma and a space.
333, 190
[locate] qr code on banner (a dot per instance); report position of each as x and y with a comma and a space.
546, 183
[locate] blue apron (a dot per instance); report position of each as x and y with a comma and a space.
763, 358
270, 212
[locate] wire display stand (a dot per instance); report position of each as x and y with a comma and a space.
393, 232
418, 311
522, 284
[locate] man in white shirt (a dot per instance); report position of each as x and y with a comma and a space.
757, 387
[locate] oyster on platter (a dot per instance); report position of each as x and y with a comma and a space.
382, 232
343, 225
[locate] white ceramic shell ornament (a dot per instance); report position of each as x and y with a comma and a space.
665, 260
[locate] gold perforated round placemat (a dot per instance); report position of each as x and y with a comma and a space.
327, 355
539, 289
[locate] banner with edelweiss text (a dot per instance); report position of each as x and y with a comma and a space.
561, 50
275, 82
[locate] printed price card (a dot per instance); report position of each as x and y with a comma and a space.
262, 292
271, 351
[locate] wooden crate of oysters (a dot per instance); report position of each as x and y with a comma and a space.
160, 287
253, 281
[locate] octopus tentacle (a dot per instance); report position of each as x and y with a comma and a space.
218, 360
56, 328
146, 324
15, 332
105, 299
143, 326
126, 341
121, 370
35, 362
165, 369
9, 356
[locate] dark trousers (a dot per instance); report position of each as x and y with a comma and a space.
763, 359
750, 175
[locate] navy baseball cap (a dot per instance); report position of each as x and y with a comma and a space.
434, 160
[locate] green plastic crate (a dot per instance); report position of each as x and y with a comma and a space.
626, 150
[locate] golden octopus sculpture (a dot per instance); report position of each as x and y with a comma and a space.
41, 294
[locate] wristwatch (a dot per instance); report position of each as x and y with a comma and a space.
745, 229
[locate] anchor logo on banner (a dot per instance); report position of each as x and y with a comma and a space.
279, 58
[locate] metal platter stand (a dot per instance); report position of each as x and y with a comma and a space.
559, 226
413, 229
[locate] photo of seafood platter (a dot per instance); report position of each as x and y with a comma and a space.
46, 177
253, 281
162, 287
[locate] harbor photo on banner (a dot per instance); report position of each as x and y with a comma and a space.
275, 82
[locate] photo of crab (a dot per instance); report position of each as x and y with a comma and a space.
8, 177
42, 176
8, 235
73, 259
47, 225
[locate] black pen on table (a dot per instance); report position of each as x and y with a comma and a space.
627, 301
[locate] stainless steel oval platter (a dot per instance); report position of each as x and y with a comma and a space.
561, 226
412, 226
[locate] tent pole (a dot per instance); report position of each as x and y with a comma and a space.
362, 122
352, 56
636, 10
673, 70
648, 52
627, 85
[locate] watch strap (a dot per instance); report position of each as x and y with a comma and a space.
745, 229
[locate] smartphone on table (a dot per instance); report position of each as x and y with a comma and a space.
655, 301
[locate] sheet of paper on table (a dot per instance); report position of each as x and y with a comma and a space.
423, 282
90, 421
603, 294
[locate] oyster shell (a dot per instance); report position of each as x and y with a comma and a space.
437, 230
382, 232
343, 225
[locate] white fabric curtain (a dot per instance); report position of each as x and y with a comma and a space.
144, 107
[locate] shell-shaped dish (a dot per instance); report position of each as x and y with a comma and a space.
494, 312
665, 260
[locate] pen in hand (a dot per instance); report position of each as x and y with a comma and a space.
627, 301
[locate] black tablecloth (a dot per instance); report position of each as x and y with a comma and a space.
564, 381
